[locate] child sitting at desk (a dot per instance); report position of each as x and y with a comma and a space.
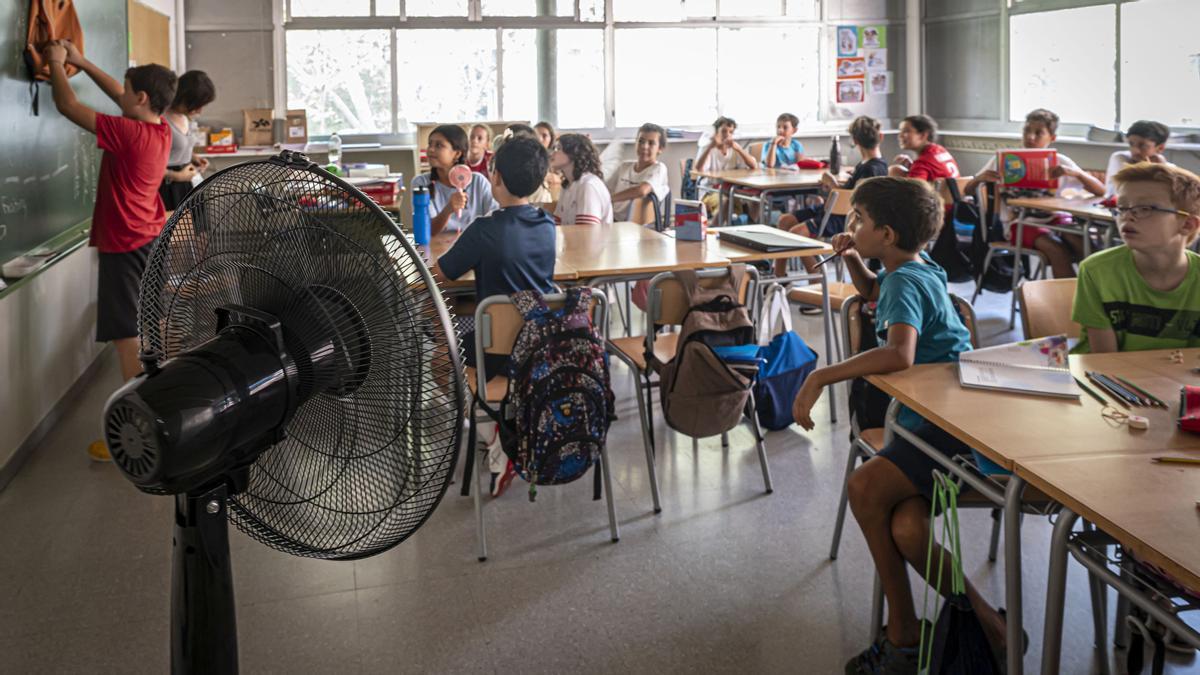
783, 151
451, 209
479, 150
1147, 142
1145, 294
917, 323
585, 199
1041, 128
636, 180
129, 213
919, 134
511, 250
542, 195
721, 154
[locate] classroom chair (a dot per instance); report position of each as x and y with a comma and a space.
663, 212
689, 188
497, 323
1046, 308
667, 306
836, 204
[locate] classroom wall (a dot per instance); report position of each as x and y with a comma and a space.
167, 7
231, 41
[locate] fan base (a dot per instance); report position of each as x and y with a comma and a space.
203, 619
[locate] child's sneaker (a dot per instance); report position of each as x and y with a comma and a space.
501, 481
884, 658
98, 452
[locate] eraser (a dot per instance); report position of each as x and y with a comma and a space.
1138, 422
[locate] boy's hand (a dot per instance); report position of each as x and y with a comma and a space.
781, 141
201, 164
74, 57
55, 52
829, 181
806, 398
1158, 158
843, 242
903, 160
992, 176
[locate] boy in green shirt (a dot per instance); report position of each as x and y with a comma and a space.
1146, 293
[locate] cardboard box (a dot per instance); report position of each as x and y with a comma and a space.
222, 137
258, 126
691, 220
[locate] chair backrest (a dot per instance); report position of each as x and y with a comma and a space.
967, 313
838, 202
852, 325
687, 184
668, 304
1046, 308
497, 322
755, 149
944, 192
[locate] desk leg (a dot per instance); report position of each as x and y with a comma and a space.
1056, 593
1012, 571
1016, 274
827, 314
1087, 237
722, 202
764, 207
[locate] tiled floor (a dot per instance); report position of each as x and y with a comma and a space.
725, 579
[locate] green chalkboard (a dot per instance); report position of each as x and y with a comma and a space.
48, 166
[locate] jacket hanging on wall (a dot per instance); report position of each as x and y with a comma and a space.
49, 20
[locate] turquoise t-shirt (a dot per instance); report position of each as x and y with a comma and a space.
915, 294
785, 156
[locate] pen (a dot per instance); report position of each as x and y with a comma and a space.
1177, 460
1151, 397
1119, 398
1091, 393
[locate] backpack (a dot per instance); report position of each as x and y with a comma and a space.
997, 278
701, 394
788, 362
555, 415
49, 20
687, 184
948, 250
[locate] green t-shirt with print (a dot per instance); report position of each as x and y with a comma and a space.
1112, 294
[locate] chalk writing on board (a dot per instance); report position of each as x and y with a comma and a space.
13, 205
3, 230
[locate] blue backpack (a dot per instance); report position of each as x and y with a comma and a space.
788, 361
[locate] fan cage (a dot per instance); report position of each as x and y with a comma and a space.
368, 456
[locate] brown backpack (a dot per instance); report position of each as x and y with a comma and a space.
701, 394
49, 20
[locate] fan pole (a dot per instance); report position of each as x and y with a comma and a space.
203, 620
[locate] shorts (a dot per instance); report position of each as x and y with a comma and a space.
917, 466
1031, 233
120, 279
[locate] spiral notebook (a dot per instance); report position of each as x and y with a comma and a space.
1029, 367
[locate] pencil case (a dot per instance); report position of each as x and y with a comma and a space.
1189, 409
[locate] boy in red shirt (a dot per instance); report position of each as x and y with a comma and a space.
919, 134
129, 211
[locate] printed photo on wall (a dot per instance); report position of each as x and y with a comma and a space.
856, 67
847, 40
873, 37
876, 59
850, 91
881, 83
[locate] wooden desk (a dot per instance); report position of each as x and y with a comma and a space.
766, 182
439, 244
645, 255
1087, 209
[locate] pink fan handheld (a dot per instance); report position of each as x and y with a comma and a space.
460, 177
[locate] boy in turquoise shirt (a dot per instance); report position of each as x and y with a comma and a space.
783, 151
917, 323
1146, 293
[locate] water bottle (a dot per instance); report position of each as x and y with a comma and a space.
420, 217
335, 148
835, 157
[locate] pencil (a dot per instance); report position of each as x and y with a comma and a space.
1177, 460
1117, 397
1091, 393
1130, 396
1153, 399
835, 254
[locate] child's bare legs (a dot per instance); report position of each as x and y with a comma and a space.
127, 354
894, 519
790, 223
1058, 254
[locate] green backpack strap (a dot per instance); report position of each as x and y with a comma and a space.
945, 495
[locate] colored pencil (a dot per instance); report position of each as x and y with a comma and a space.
1090, 392
1177, 460
1117, 389
1133, 397
1117, 397
1151, 397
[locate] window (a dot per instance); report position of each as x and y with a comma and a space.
444, 75
436, 7
1160, 63
1077, 83
647, 93
341, 78
325, 8
526, 8
758, 94
579, 70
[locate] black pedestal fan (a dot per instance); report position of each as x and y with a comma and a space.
302, 379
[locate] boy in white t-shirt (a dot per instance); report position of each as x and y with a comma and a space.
1041, 125
638, 179
1147, 141
722, 153
585, 199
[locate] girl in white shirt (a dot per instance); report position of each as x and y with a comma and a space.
637, 180
585, 199
1147, 142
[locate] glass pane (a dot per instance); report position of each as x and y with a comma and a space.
520, 66
579, 81
645, 93
1077, 83
341, 78
754, 95
647, 10
804, 9
752, 8
387, 7
527, 7
1160, 62
436, 8
591, 10
446, 75
326, 8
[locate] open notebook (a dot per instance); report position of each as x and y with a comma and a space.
1029, 367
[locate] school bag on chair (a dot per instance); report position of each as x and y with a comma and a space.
701, 394
555, 415
948, 251
49, 20
788, 362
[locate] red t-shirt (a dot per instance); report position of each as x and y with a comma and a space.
482, 166
129, 212
933, 163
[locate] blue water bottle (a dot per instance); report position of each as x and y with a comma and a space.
420, 218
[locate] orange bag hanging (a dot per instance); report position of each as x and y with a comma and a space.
49, 20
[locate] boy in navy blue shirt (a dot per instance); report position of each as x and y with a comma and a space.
917, 323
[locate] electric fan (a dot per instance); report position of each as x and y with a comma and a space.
301, 378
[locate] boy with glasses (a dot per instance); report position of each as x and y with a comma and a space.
1146, 293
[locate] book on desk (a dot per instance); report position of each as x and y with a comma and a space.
766, 238
1028, 367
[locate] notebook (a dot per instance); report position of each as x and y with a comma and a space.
1030, 367
767, 239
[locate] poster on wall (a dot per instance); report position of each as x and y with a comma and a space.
880, 82
847, 40
855, 67
850, 91
876, 59
873, 37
